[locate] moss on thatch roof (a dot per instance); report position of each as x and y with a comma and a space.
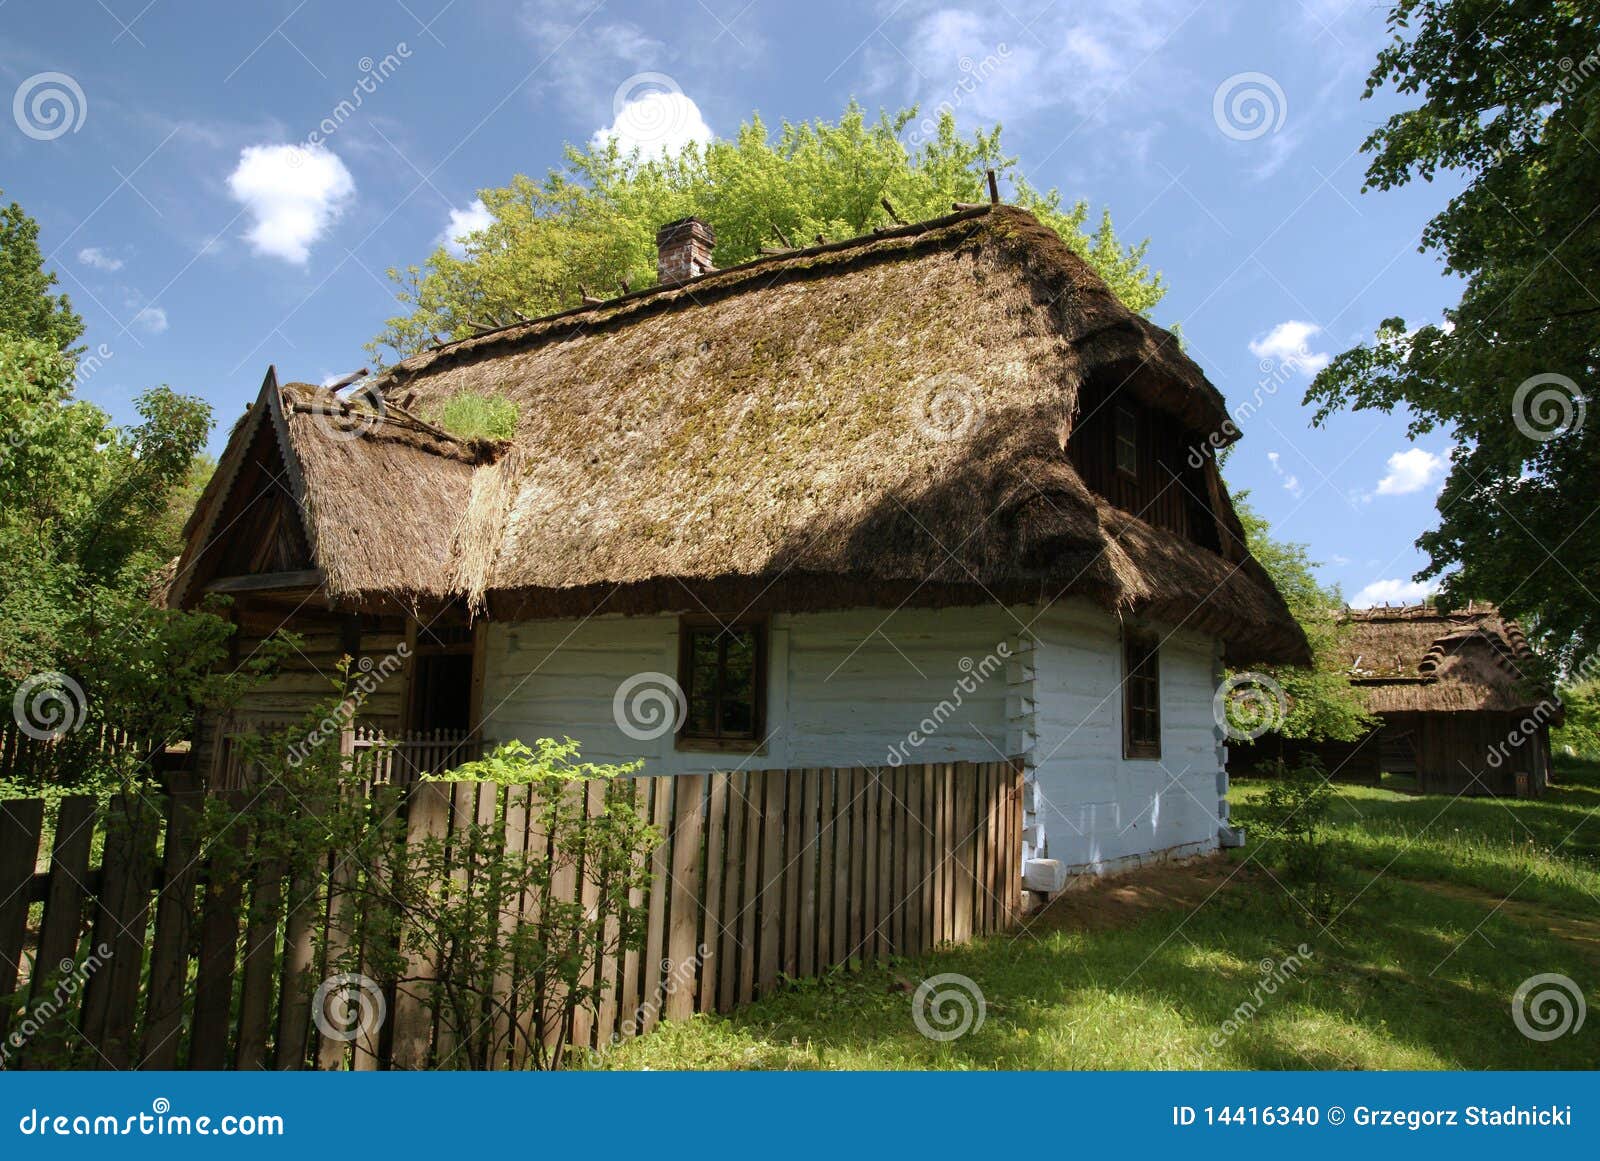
1418, 659
883, 419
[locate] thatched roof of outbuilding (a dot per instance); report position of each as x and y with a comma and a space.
1418, 659
879, 420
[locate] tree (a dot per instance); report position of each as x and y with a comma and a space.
592, 223
27, 308
1506, 94
1322, 705
86, 522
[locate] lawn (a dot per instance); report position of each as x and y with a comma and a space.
1442, 908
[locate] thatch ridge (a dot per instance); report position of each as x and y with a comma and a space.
1421, 659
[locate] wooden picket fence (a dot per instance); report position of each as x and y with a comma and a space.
28, 760
760, 876
391, 757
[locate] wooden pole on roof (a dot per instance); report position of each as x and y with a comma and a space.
893, 217
782, 237
353, 377
994, 188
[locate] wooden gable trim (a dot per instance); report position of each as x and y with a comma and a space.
202, 526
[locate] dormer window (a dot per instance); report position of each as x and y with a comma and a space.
1127, 440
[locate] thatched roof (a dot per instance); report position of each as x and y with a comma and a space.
880, 420
1418, 659
355, 479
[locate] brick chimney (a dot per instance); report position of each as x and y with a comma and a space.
683, 250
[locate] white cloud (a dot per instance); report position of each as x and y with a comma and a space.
152, 319
654, 116
1291, 482
1393, 591
463, 222
1338, 560
1411, 471
1289, 343
294, 193
99, 259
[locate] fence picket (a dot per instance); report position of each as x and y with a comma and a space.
660, 889
684, 931
807, 964
20, 825
825, 857
715, 864
111, 991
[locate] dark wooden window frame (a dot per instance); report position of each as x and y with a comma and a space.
442, 636
755, 742
1141, 695
1125, 433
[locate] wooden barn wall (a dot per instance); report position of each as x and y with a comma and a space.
1453, 753
307, 676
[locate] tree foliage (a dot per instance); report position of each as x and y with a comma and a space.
592, 222
87, 517
1579, 733
1322, 704
1507, 94
27, 307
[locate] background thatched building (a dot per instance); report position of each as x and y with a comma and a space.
1462, 708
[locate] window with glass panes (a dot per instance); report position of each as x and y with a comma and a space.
721, 669
1141, 696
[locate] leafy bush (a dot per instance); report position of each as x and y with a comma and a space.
1292, 813
473, 928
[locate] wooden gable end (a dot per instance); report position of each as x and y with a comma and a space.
259, 529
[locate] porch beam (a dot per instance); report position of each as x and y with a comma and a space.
305, 578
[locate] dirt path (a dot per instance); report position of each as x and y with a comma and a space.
1583, 933
1123, 900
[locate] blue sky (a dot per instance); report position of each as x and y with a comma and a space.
1227, 133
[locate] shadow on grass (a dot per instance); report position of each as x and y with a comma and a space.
1407, 980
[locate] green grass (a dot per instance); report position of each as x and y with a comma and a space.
1417, 970
469, 415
